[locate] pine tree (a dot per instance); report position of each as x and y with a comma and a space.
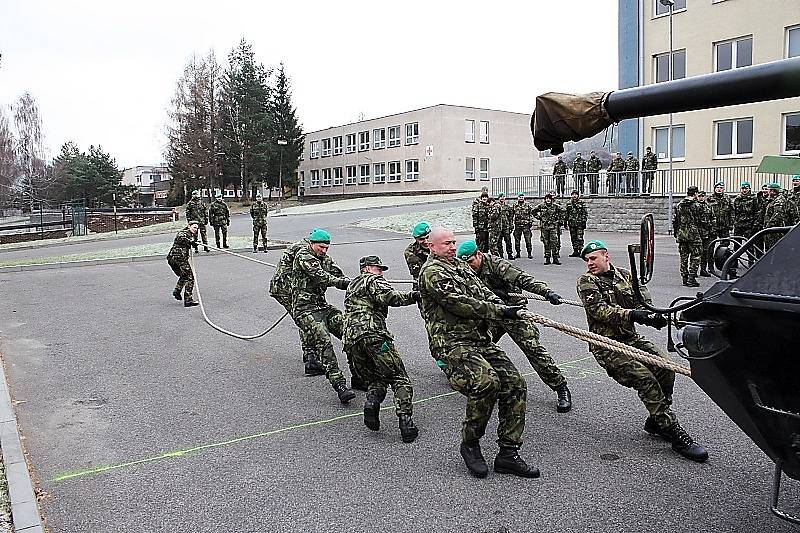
284, 160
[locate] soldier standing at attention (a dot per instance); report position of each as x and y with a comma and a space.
721, 214
507, 226
615, 177
259, 212
503, 279
794, 195
178, 260
706, 228
560, 173
220, 217
745, 212
495, 227
550, 216
458, 307
780, 212
196, 210
612, 310
593, 167
632, 168
575, 222
480, 219
579, 171
313, 272
686, 228
370, 346
649, 167
523, 220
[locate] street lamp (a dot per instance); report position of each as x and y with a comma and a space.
671, 5
281, 143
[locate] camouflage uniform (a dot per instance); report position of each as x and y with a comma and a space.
220, 217
779, 212
608, 300
560, 173
649, 167
197, 210
259, 212
686, 228
706, 227
593, 167
178, 260
575, 221
480, 221
579, 172
745, 215
495, 228
523, 220
550, 218
794, 199
632, 178
722, 217
615, 177
506, 228
458, 308
416, 255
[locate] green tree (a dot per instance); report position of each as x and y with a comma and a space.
93, 176
284, 125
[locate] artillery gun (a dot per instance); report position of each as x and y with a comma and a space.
738, 335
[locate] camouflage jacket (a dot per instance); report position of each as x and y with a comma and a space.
594, 164
780, 211
616, 165
559, 168
631, 163
496, 218
180, 247
722, 211
281, 282
366, 305
686, 221
650, 162
197, 210
506, 217
608, 299
415, 255
745, 211
219, 214
579, 165
457, 306
480, 214
576, 214
550, 216
763, 202
794, 199
311, 277
706, 220
523, 215
258, 212
499, 274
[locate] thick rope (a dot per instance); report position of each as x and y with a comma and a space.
253, 259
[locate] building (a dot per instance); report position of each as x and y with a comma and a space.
709, 36
153, 183
437, 148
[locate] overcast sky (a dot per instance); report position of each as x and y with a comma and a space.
103, 72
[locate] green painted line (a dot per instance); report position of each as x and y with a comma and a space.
180, 453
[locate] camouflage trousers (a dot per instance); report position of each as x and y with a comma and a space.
551, 239
380, 366
647, 181
221, 229
561, 181
706, 255
496, 242
653, 384
594, 183
286, 301
576, 236
203, 234
482, 240
260, 230
519, 231
525, 334
182, 269
485, 375
690, 252
319, 326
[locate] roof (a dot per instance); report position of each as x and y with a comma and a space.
779, 164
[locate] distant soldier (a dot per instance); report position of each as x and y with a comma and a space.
507, 226
615, 177
504, 280
745, 212
794, 196
612, 310
575, 219
763, 199
780, 212
197, 210
686, 228
259, 212
649, 167
579, 172
721, 214
593, 166
560, 174
523, 221
220, 217
480, 219
632, 178
706, 228
496, 226
178, 260
370, 346
551, 216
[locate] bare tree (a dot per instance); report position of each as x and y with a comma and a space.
29, 150
8, 161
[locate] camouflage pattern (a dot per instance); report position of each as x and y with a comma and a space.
649, 166
259, 212
500, 226
550, 218
197, 210
178, 260
745, 215
280, 288
523, 220
593, 167
575, 219
607, 299
721, 213
686, 228
779, 212
380, 366
480, 221
415, 255
219, 214
632, 178
560, 173
794, 199
579, 172
707, 234
615, 177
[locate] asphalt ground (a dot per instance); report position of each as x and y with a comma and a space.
139, 417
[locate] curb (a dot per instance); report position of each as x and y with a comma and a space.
368, 208
24, 507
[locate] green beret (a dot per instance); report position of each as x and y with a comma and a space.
775, 185
745, 184
523, 194
719, 184
421, 229
796, 177
501, 195
195, 194
319, 235
466, 249
593, 246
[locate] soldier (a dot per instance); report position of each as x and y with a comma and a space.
779, 212
259, 212
763, 199
686, 228
575, 221
721, 214
794, 196
560, 174
745, 212
706, 227
496, 226
457, 307
615, 177
507, 226
632, 178
523, 220
480, 219
579, 171
178, 260
612, 310
649, 167
550, 215
220, 217
370, 346
593, 167
504, 280
313, 271
197, 210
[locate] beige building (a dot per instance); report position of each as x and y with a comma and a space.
437, 148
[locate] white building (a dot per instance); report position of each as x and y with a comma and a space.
153, 182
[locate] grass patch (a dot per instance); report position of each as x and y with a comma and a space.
458, 219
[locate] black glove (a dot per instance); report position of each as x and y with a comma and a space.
552, 297
342, 283
511, 311
416, 296
648, 318
500, 293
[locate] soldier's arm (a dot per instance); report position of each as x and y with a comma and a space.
597, 307
447, 294
310, 266
414, 264
383, 293
185, 239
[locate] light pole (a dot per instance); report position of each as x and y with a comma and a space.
671, 5
281, 143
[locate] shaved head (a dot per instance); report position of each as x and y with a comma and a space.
442, 243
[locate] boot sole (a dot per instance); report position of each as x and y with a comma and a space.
482, 473
560, 409
315, 373
530, 475
347, 398
410, 438
696, 459
371, 418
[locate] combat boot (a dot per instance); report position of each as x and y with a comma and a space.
205, 248
685, 445
704, 273
683, 280
508, 461
217, 244
255, 249
530, 256
556, 261
474, 460
177, 294
190, 303
372, 411
546, 260
345, 394
408, 431
564, 399
691, 281
517, 255
652, 427
314, 367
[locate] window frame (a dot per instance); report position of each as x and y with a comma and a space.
364, 179
784, 132
469, 130
669, 142
363, 141
379, 173
326, 177
337, 176
787, 33
657, 15
414, 137
469, 175
313, 150
395, 177
352, 180
670, 73
734, 52
350, 148
326, 152
734, 138
314, 178
414, 174
393, 143
337, 146
480, 132
376, 144
481, 172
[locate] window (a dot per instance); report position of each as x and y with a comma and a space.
138, 179
394, 136
394, 169
314, 149
661, 142
469, 131
791, 133
734, 138
380, 173
363, 141
661, 9
484, 169
337, 145
793, 41
364, 179
337, 176
661, 66
315, 178
351, 143
326, 177
326, 147
351, 175
155, 178
485, 131
469, 172
378, 139
412, 169
412, 133
733, 54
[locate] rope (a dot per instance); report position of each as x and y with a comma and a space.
531, 296
253, 259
